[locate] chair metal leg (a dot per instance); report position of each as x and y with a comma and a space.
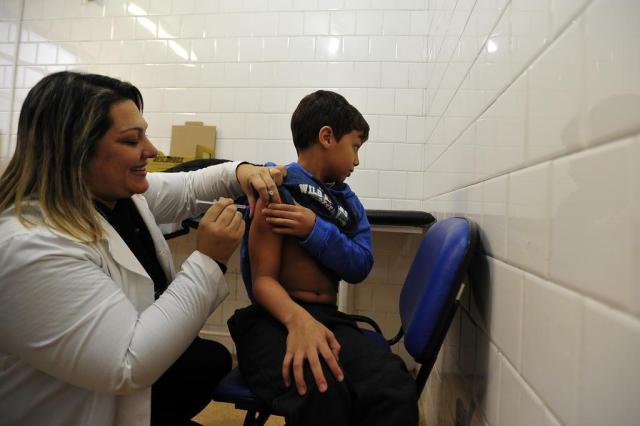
255, 418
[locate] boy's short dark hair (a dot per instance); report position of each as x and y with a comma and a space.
325, 108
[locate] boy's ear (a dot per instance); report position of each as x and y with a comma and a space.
324, 136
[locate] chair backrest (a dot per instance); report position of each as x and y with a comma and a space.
428, 297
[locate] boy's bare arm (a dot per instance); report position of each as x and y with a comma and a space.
349, 257
307, 339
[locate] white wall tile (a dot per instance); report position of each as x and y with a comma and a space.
494, 216
518, 403
378, 156
551, 330
275, 49
226, 49
510, 390
369, 22
340, 74
501, 132
411, 48
505, 303
187, 100
612, 64
249, 49
382, 48
563, 11
392, 184
556, 96
47, 53
280, 5
273, 100
357, 48
392, 128
528, 223
302, 47
593, 243
316, 23
291, 23
409, 101
396, 22
407, 157
395, 74
488, 377
406, 204
192, 26
236, 75
342, 23
365, 183
610, 367
380, 101
367, 74
154, 51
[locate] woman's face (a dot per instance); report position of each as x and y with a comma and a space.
117, 169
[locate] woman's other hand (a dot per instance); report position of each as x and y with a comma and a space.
288, 219
262, 181
220, 230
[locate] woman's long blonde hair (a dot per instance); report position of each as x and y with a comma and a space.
62, 118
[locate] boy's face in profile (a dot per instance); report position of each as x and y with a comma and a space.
342, 156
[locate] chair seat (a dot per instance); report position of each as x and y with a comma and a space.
233, 384
234, 389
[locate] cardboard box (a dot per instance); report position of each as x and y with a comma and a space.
185, 140
161, 162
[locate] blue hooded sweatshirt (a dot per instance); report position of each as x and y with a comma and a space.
341, 237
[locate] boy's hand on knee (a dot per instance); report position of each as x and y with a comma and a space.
307, 341
288, 219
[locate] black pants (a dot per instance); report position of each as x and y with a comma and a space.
187, 386
377, 389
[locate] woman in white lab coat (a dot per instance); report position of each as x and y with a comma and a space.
83, 337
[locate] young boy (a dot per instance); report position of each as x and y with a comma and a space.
295, 349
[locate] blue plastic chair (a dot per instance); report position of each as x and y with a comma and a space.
428, 302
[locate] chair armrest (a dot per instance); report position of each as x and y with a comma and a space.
367, 320
361, 318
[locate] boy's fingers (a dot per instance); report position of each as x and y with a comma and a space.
281, 214
331, 358
281, 206
335, 347
298, 374
318, 374
278, 221
286, 369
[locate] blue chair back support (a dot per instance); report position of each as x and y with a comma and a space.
430, 279
429, 293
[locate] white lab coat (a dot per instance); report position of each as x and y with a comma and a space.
81, 337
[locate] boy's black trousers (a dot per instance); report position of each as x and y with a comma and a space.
377, 389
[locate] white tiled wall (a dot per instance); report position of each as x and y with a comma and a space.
545, 120
520, 114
